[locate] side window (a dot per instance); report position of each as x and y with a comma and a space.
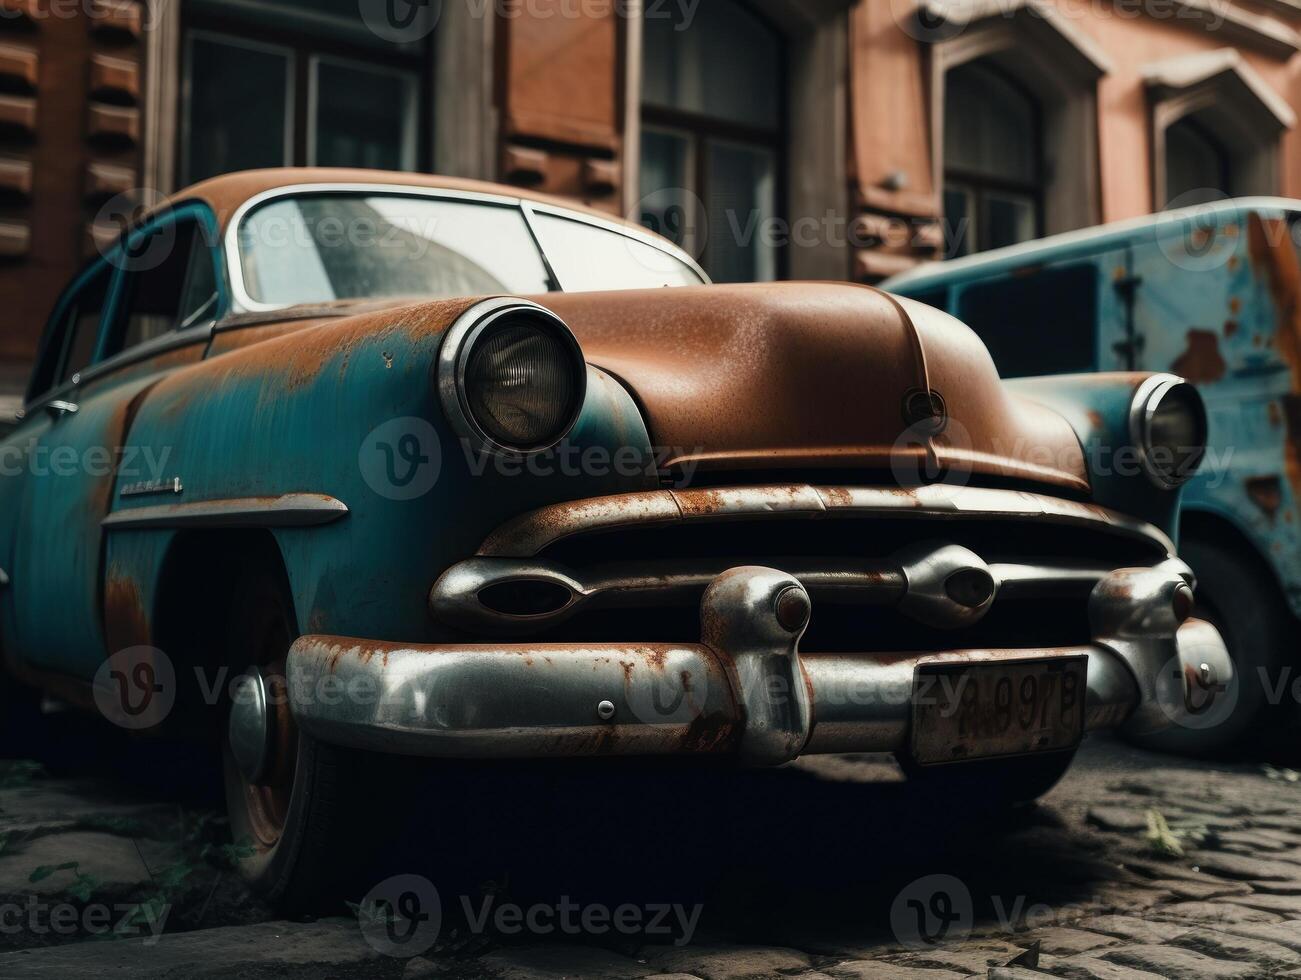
170, 284
80, 325
587, 258
1043, 322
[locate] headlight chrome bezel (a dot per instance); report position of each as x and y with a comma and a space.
1148, 398
454, 356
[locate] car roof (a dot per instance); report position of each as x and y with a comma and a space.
1000, 261
227, 193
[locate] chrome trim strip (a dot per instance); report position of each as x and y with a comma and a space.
744, 688
456, 598
152, 488
4, 578
533, 532
287, 510
242, 302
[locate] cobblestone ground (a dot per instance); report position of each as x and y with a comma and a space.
1136, 866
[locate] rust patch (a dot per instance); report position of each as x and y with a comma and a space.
126, 623
1230, 328
708, 733
838, 496
1266, 492
1202, 362
1096, 420
1275, 414
1235, 305
1272, 255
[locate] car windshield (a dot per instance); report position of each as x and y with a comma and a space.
316, 248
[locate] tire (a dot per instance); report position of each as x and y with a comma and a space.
1238, 597
993, 786
301, 834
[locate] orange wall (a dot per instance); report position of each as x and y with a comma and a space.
1124, 134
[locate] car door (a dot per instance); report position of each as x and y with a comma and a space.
145, 309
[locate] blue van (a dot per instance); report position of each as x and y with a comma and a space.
1212, 294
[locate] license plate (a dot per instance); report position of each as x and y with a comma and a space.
1000, 708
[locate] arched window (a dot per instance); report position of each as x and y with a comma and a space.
1196, 164
1216, 127
712, 131
993, 160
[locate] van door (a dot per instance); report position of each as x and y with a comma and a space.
1194, 279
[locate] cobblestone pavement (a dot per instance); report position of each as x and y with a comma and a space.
1136, 866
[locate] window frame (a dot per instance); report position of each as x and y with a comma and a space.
242, 302
700, 130
410, 149
55, 338
202, 217
275, 32
103, 362
978, 187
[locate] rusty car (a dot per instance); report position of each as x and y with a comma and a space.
1213, 294
436, 470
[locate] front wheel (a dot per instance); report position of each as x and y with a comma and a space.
301, 822
1237, 596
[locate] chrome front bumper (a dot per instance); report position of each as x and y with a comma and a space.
744, 689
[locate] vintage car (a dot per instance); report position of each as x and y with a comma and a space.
441, 469
1212, 293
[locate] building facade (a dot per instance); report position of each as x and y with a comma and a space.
830, 139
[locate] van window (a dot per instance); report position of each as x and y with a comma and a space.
1043, 322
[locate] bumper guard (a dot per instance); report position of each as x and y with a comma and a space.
744, 689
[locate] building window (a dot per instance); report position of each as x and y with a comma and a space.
993, 160
1197, 166
713, 132
317, 88
1216, 128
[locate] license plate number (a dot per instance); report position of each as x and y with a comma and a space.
1000, 708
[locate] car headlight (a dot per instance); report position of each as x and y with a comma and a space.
1168, 425
511, 377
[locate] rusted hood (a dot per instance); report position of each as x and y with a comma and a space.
826, 375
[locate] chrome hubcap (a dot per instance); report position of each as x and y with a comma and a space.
249, 729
